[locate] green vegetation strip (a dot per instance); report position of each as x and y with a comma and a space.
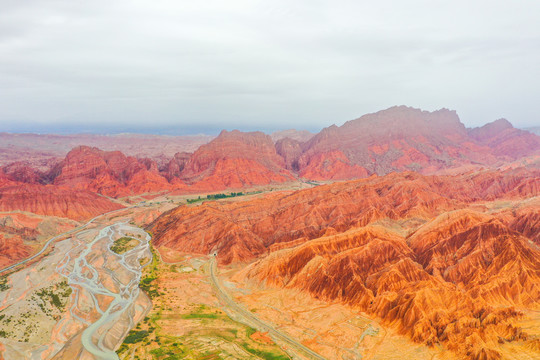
210, 334
3, 283
124, 244
221, 196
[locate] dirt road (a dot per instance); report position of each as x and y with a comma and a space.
224, 296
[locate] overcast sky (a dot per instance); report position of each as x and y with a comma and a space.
199, 66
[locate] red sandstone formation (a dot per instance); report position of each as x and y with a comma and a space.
397, 139
243, 230
235, 160
406, 248
21, 234
108, 173
505, 140
401, 139
54, 201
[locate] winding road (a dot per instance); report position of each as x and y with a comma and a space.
224, 296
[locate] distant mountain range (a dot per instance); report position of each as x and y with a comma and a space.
393, 140
534, 130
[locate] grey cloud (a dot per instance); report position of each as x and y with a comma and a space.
263, 64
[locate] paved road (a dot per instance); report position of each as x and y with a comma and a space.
51, 240
261, 325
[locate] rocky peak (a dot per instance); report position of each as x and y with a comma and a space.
490, 130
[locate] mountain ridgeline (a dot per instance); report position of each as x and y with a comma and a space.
393, 140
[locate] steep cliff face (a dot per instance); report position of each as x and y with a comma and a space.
332, 165
402, 139
396, 139
176, 165
290, 150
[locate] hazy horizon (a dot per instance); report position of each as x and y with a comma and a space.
187, 68
183, 131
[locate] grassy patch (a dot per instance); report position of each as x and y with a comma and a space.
148, 281
54, 295
135, 336
3, 283
209, 332
221, 196
124, 244
200, 316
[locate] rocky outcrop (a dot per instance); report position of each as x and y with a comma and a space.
176, 165
21, 171
402, 139
396, 139
290, 150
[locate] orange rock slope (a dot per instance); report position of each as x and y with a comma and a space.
428, 255
21, 234
109, 173
54, 201
243, 230
235, 160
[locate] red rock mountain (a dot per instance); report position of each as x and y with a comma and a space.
55, 201
393, 140
396, 139
505, 140
235, 160
244, 230
423, 253
109, 173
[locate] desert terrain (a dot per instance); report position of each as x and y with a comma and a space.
417, 238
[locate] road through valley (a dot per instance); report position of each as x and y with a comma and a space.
252, 320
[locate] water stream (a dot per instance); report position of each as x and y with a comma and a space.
86, 267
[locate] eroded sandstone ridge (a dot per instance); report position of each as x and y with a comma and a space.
437, 257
